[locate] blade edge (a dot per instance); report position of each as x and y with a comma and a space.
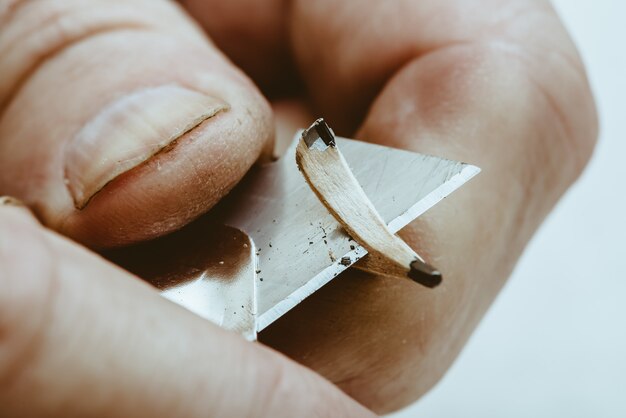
333, 270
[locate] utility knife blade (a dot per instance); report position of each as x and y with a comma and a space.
271, 243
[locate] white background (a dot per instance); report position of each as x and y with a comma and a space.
554, 342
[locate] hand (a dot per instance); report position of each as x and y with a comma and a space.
80, 337
121, 122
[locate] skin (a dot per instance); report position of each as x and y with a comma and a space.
495, 83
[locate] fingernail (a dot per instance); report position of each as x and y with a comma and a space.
11, 201
130, 131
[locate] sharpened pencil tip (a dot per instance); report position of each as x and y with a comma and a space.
319, 131
425, 274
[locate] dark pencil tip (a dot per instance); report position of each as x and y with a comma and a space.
425, 274
319, 130
325, 132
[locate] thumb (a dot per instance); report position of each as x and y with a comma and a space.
119, 121
82, 338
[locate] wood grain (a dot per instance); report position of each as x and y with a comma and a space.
329, 176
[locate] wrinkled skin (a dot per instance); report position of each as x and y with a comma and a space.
496, 83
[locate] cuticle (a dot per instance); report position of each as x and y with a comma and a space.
163, 150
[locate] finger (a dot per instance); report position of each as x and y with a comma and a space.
347, 61
261, 45
497, 84
119, 121
82, 338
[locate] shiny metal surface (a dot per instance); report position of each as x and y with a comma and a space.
271, 243
300, 246
207, 268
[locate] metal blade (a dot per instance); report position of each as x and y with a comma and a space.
206, 267
290, 245
300, 246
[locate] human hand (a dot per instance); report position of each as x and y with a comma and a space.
80, 337
496, 83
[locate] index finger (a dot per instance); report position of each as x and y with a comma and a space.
495, 83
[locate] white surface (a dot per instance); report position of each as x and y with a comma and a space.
554, 343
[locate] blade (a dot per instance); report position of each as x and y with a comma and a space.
271, 243
216, 281
299, 245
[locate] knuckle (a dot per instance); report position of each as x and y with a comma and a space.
33, 33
